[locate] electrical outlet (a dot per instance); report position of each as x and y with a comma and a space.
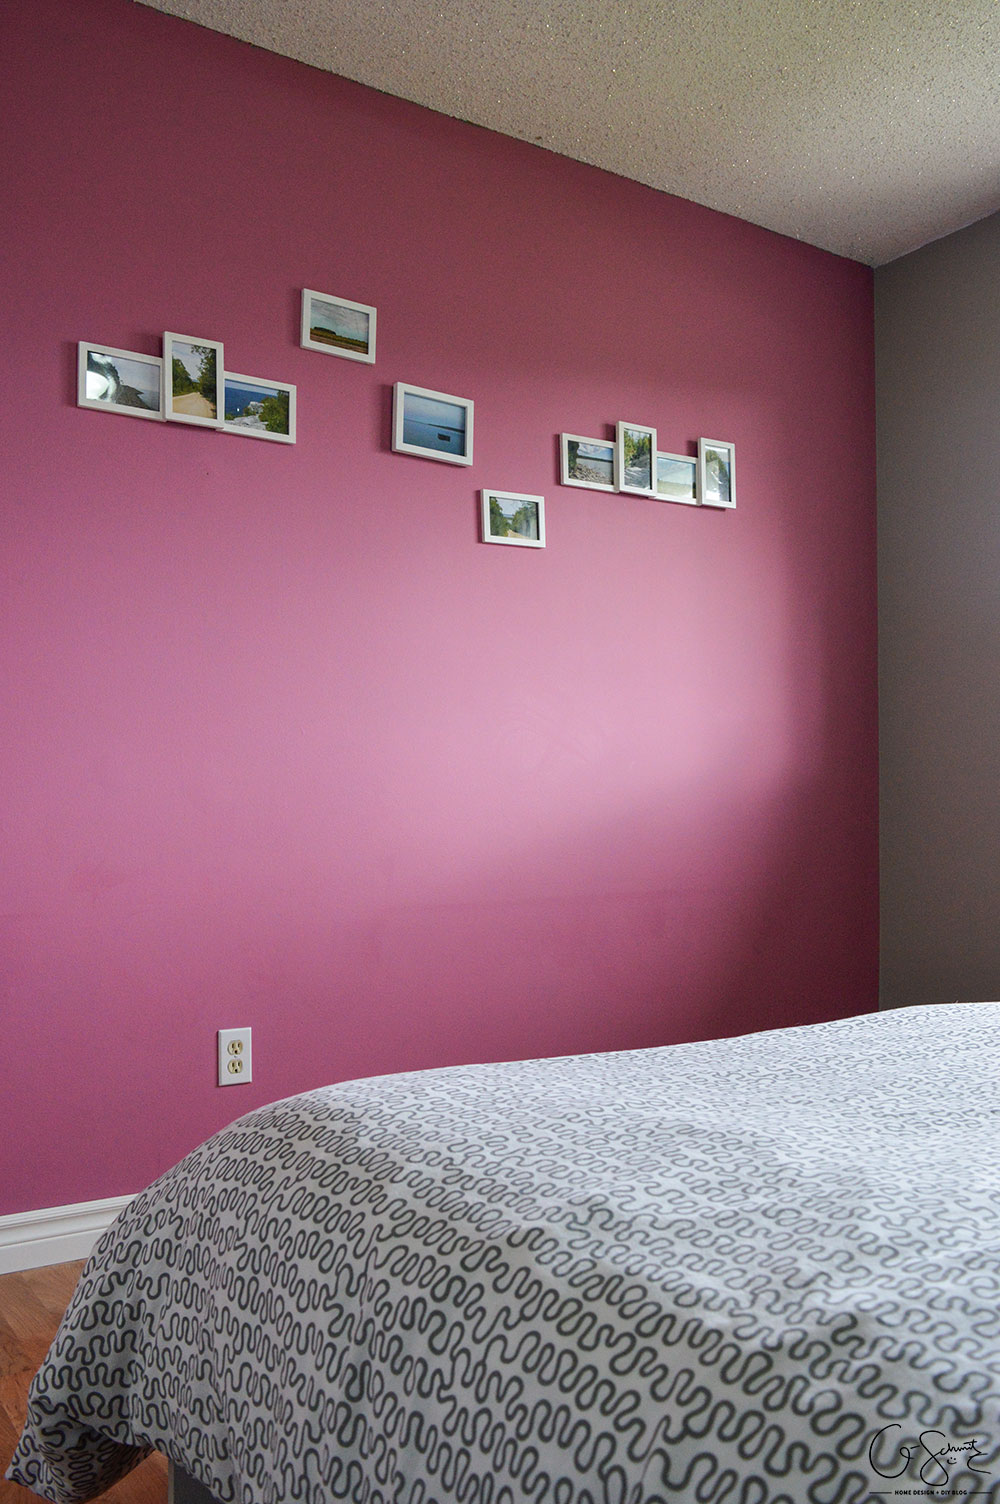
235, 1057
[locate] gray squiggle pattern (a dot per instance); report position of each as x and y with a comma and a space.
705, 1273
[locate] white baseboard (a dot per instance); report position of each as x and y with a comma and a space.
55, 1234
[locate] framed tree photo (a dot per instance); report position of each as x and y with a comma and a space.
259, 409
511, 517
716, 473
192, 370
636, 450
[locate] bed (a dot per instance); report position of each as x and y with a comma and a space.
750, 1270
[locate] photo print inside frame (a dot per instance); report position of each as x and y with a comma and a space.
338, 326
119, 381
192, 371
431, 425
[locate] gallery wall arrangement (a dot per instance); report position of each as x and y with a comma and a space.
290, 746
183, 386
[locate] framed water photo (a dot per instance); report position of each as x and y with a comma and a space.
509, 517
259, 409
587, 462
433, 425
716, 473
636, 459
192, 370
677, 478
337, 326
119, 381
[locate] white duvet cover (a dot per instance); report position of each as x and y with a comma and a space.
752, 1270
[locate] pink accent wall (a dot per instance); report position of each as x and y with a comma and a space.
283, 743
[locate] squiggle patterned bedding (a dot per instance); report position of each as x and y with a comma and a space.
753, 1270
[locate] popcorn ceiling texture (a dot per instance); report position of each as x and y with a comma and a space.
867, 127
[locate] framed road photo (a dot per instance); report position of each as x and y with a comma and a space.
433, 425
192, 370
677, 478
119, 381
337, 326
510, 517
259, 409
636, 451
716, 473
587, 462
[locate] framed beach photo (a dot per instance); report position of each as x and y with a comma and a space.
677, 478
511, 517
337, 326
433, 425
636, 450
587, 462
716, 473
259, 409
192, 373
119, 381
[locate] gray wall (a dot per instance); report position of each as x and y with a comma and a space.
938, 388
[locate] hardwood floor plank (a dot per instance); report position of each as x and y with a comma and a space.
31, 1307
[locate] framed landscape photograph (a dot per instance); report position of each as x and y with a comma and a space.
587, 462
716, 473
337, 326
259, 409
636, 459
432, 425
510, 517
192, 370
677, 478
119, 381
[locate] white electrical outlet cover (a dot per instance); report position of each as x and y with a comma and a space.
235, 1057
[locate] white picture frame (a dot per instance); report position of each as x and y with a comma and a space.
119, 381
677, 478
252, 413
431, 425
635, 449
513, 517
716, 473
338, 326
583, 462
189, 395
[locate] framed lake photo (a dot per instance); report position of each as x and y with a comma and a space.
337, 326
510, 517
192, 370
587, 462
636, 451
677, 478
716, 473
259, 409
119, 381
432, 425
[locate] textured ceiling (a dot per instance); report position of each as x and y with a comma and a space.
867, 127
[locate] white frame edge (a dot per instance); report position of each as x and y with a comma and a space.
169, 337
620, 457
400, 391
703, 444
253, 433
328, 297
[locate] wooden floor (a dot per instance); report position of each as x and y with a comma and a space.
31, 1306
